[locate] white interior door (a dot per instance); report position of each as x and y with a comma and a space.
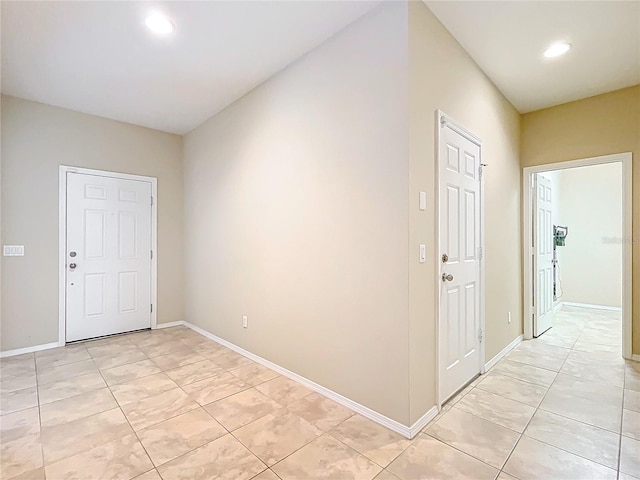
108, 256
543, 255
460, 246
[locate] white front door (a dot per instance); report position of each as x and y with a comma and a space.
460, 242
543, 255
108, 256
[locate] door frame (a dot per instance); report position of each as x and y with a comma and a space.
62, 240
443, 120
625, 159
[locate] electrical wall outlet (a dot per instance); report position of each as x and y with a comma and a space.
245, 321
13, 250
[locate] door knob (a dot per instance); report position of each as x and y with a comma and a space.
447, 277
72, 266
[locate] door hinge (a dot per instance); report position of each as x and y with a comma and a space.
480, 253
480, 335
480, 171
152, 201
151, 254
152, 308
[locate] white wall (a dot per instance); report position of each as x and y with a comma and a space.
589, 202
296, 215
36, 140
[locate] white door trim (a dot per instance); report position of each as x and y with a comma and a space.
62, 239
444, 120
626, 160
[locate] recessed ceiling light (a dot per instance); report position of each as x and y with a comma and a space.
557, 49
159, 24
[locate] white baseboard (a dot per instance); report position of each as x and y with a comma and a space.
35, 348
404, 430
516, 341
169, 324
589, 305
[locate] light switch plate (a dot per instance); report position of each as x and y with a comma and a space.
423, 200
423, 253
13, 250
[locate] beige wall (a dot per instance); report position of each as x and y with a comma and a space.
589, 202
296, 215
443, 76
595, 126
36, 139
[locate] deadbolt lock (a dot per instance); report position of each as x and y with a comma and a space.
72, 266
72, 254
445, 258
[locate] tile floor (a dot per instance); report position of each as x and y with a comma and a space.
170, 404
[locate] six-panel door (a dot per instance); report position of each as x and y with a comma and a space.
108, 256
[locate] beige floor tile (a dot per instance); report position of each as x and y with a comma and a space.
605, 374
52, 392
536, 360
130, 356
596, 358
194, 372
163, 348
17, 366
170, 439
631, 424
68, 439
61, 357
77, 407
428, 458
156, 409
532, 459
587, 441
505, 476
121, 458
284, 390
141, 388
65, 372
586, 410
320, 411
326, 458
148, 338
513, 389
630, 456
150, 475
215, 388
177, 358
37, 474
19, 424
460, 395
130, 371
632, 381
20, 382
497, 409
230, 360
589, 389
370, 439
524, 372
112, 349
222, 459
386, 475
542, 348
625, 476
632, 400
480, 438
210, 349
271, 438
20, 456
18, 400
243, 408
254, 374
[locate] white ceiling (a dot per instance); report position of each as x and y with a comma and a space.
507, 39
99, 58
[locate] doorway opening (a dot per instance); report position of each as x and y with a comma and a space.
577, 268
